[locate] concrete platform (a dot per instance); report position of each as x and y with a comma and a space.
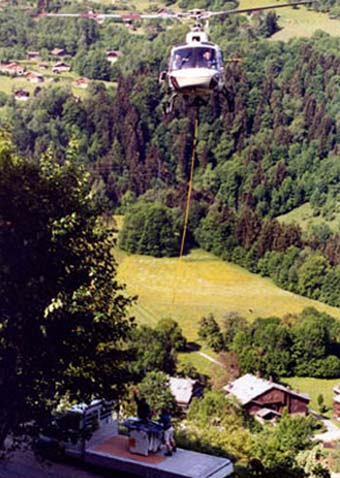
113, 454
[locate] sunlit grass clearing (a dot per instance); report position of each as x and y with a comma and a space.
303, 216
201, 283
315, 386
297, 22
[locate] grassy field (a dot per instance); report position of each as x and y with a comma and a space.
200, 363
201, 283
303, 216
9, 84
314, 386
299, 22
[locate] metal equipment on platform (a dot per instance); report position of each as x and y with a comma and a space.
144, 436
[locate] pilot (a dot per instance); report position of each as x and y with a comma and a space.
177, 62
208, 60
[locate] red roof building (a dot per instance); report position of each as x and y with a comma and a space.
81, 83
13, 69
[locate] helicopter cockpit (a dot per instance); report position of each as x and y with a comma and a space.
185, 57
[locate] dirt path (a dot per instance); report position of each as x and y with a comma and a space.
211, 359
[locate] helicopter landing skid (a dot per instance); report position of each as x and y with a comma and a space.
169, 105
191, 101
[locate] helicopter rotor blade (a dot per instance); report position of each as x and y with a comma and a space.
254, 9
119, 16
196, 14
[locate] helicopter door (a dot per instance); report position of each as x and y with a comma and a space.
206, 58
219, 57
182, 58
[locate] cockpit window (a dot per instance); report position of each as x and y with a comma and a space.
193, 57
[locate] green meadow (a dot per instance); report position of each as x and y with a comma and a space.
297, 22
201, 283
303, 216
10, 84
315, 386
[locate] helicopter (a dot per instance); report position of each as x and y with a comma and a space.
196, 67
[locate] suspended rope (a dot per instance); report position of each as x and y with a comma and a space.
188, 201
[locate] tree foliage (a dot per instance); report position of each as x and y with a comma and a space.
150, 229
63, 314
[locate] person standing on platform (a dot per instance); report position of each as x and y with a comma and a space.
143, 409
170, 443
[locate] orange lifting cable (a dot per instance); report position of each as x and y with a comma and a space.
187, 207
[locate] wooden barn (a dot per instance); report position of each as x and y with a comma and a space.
336, 407
265, 398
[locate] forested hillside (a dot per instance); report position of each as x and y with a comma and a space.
270, 145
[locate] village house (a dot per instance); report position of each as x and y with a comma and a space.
13, 69
61, 67
184, 389
33, 54
21, 95
336, 402
336, 407
266, 399
33, 77
58, 52
81, 83
336, 389
113, 55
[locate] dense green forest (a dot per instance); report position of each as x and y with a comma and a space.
267, 147
303, 345
270, 145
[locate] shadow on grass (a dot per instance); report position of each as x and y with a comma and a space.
192, 347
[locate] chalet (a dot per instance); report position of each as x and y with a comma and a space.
58, 52
184, 389
33, 54
166, 11
266, 399
33, 77
61, 67
336, 407
336, 389
81, 83
113, 55
13, 69
21, 95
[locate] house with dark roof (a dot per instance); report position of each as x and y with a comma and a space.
21, 95
58, 52
266, 399
61, 67
113, 55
